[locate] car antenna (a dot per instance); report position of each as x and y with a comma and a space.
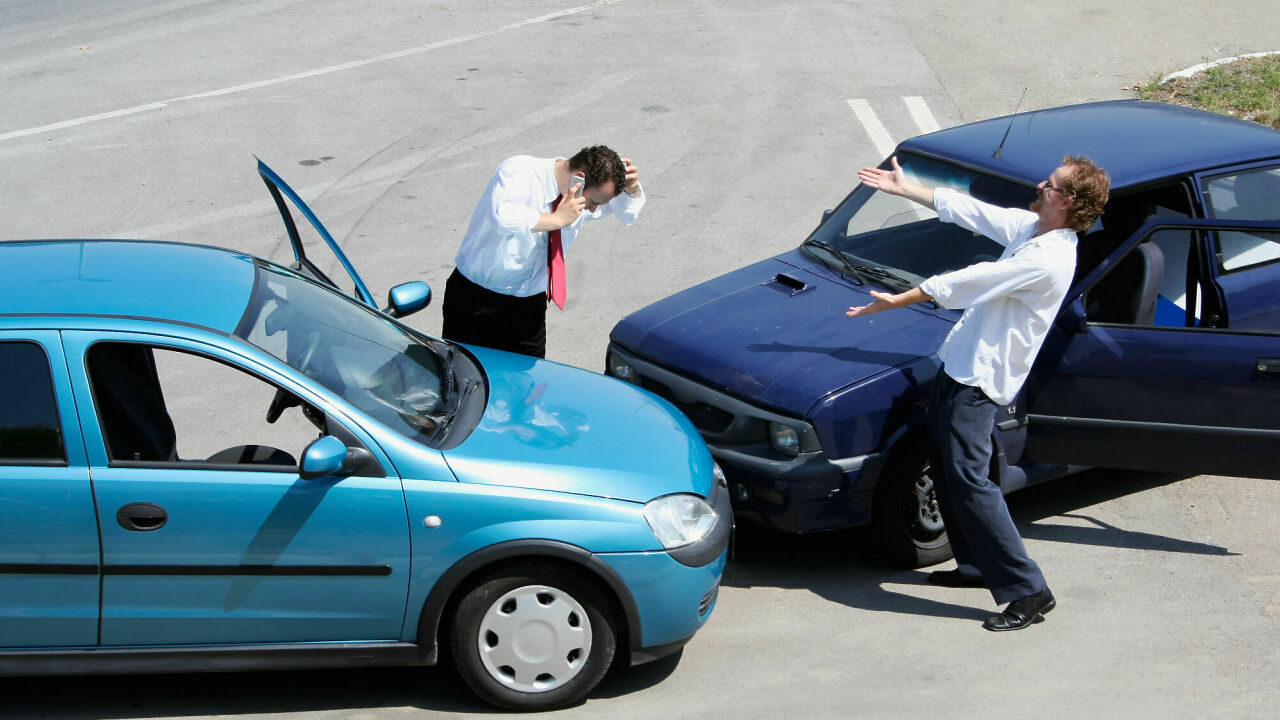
996, 154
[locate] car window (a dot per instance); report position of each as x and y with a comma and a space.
1248, 195
882, 230
29, 426
162, 405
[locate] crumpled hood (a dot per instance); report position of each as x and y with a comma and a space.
554, 427
784, 343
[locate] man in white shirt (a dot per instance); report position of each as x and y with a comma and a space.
515, 244
1010, 304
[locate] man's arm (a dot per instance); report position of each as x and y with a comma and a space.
894, 182
889, 301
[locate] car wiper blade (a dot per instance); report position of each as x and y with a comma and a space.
884, 275
848, 267
450, 382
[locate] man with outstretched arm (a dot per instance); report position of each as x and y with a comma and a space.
1010, 304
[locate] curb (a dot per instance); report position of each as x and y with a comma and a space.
1205, 66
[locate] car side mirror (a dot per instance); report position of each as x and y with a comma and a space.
407, 298
328, 455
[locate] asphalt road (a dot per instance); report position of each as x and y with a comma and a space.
141, 118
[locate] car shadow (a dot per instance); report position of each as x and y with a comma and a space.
432, 689
841, 566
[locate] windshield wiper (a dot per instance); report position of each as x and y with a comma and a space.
848, 267
449, 381
885, 276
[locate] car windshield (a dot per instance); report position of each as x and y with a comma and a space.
895, 242
401, 379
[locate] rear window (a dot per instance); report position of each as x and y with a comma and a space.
29, 427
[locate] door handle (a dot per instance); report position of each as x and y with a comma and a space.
1269, 366
142, 517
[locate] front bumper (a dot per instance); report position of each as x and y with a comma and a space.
673, 601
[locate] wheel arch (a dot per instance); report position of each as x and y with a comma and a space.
457, 579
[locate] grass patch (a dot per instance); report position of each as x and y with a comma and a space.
1248, 89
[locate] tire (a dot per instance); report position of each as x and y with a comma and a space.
533, 638
906, 525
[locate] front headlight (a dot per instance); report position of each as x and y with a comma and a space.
619, 368
679, 520
784, 438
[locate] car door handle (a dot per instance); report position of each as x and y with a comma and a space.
1269, 366
142, 517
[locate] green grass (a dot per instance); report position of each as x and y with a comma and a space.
1248, 89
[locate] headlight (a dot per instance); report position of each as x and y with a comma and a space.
619, 368
678, 520
784, 438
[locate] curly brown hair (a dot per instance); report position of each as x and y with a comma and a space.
1088, 186
600, 164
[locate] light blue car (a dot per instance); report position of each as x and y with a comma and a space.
212, 462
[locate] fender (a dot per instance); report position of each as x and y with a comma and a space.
447, 585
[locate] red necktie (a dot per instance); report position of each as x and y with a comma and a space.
555, 265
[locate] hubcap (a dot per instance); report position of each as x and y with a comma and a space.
534, 639
928, 518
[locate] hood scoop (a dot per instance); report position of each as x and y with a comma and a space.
787, 285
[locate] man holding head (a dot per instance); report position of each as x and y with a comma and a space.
1010, 304
511, 261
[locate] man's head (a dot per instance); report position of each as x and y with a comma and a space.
605, 174
1074, 195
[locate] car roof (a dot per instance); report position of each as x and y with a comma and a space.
1133, 140
171, 282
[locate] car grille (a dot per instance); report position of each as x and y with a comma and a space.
708, 600
707, 418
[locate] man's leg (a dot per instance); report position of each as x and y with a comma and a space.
476, 315
976, 504
939, 460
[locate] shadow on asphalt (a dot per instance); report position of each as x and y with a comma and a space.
437, 689
840, 566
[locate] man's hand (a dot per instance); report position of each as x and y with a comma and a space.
571, 206
888, 301
882, 301
633, 177
892, 181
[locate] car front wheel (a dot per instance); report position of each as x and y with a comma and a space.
533, 638
906, 524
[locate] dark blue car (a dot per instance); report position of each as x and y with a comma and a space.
1165, 356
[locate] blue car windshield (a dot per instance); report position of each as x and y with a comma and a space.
899, 243
399, 378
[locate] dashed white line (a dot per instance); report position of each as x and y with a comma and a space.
920, 113
875, 129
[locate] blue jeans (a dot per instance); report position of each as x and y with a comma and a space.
983, 537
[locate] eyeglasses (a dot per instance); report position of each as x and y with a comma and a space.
1048, 185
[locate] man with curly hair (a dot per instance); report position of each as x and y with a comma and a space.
1010, 304
511, 261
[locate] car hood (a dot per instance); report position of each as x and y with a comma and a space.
554, 427
776, 333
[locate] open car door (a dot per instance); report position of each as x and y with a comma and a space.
309, 266
1181, 375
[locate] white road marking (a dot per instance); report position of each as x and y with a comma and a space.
920, 113
875, 129
52, 127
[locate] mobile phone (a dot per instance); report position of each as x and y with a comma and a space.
576, 180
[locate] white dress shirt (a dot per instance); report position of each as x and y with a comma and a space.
501, 251
1010, 302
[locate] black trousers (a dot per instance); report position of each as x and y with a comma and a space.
982, 533
476, 315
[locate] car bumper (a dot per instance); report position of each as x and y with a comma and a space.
808, 495
673, 601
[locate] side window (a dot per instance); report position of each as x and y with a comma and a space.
166, 406
30, 431
1249, 195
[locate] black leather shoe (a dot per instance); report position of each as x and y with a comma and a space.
956, 579
1022, 612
